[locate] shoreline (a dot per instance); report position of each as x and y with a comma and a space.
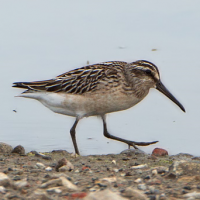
132, 174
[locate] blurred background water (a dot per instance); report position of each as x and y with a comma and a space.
42, 39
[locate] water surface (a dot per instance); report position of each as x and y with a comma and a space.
40, 40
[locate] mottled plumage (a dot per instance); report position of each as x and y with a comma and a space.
96, 90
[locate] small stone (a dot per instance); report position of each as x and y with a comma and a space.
134, 194
48, 169
4, 180
35, 170
79, 195
2, 190
154, 181
162, 169
154, 172
152, 189
139, 166
77, 171
114, 162
159, 152
147, 177
68, 185
187, 188
40, 165
5, 148
20, 184
64, 168
128, 174
54, 190
162, 197
64, 162
115, 170
138, 180
53, 182
110, 180
39, 194
74, 155
142, 187
195, 195
43, 156
16, 178
19, 150
103, 195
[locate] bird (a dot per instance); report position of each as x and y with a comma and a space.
96, 90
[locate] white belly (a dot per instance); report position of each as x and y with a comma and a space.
80, 105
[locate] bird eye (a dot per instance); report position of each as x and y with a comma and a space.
148, 71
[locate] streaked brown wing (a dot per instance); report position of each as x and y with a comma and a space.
77, 81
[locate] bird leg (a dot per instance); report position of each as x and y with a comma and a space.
129, 142
73, 136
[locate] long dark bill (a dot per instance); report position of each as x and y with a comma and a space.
166, 92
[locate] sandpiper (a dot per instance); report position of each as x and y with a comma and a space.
97, 90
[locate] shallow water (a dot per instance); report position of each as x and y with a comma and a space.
40, 40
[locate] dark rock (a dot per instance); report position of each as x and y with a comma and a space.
17, 178
19, 150
5, 148
187, 188
152, 197
159, 152
64, 165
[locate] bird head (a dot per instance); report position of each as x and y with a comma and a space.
147, 74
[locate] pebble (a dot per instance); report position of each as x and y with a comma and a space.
20, 184
4, 179
115, 170
48, 169
2, 190
64, 162
162, 196
142, 187
5, 148
53, 182
139, 166
68, 185
159, 152
43, 156
78, 195
64, 168
103, 195
162, 169
54, 190
19, 150
134, 194
195, 195
114, 162
39, 194
110, 180
138, 180
40, 165
154, 172
74, 155
152, 189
